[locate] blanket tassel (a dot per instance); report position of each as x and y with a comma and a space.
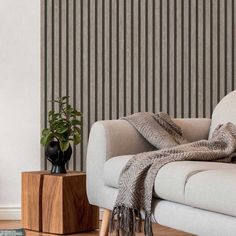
127, 221
148, 225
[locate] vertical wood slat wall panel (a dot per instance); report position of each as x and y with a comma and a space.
116, 57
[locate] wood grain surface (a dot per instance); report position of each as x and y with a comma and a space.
57, 203
158, 230
65, 207
31, 200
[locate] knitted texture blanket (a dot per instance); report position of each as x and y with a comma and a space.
138, 176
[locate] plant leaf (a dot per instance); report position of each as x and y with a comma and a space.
65, 97
61, 130
64, 145
46, 138
77, 138
76, 122
77, 129
77, 113
63, 124
45, 131
54, 116
60, 137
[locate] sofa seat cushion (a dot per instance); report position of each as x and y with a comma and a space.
206, 185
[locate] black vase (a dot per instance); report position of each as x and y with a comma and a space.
57, 157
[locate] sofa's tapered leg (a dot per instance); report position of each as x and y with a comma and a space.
105, 223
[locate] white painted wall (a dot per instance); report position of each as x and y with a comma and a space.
19, 98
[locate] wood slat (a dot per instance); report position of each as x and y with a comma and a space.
193, 57
171, 58
114, 85
214, 45
157, 51
99, 59
86, 76
228, 49
207, 60
71, 64
149, 56
107, 58
127, 51
179, 56
78, 71
222, 61
186, 60
136, 85
121, 45
201, 57
50, 61
164, 59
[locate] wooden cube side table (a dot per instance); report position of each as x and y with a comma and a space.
57, 203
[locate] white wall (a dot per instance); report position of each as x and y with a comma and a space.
19, 98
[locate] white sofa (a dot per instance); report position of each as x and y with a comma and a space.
192, 196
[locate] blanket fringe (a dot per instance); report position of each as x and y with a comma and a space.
148, 225
128, 221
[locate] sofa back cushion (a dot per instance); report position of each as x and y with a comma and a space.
194, 129
224, 112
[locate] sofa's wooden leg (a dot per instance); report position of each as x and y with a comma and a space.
105, 223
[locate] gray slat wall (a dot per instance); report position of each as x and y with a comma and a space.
117, 57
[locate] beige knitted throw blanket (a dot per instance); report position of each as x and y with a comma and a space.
137, 178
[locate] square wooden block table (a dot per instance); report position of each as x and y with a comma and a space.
57, 203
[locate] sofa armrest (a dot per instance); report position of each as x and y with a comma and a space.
119, 137
108, 139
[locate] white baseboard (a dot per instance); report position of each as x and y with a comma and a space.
10, 213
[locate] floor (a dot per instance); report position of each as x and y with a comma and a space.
157, 230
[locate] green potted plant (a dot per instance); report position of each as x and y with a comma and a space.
64, 128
